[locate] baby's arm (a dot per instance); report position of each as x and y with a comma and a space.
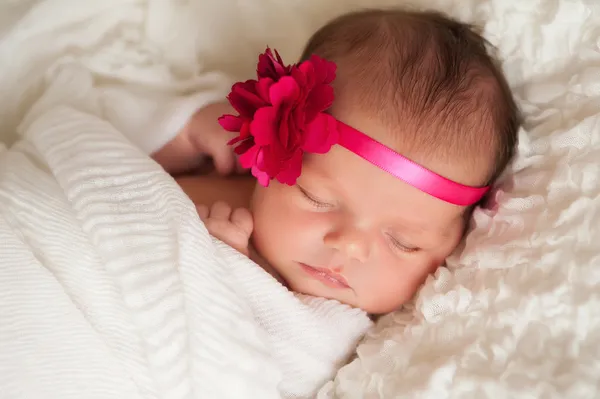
232, 226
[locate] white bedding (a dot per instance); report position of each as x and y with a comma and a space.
515, 314
110, 286
107, 284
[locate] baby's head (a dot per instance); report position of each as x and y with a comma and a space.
425, 86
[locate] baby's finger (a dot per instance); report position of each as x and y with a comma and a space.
220, 210
202, 211
224, 160
242, 218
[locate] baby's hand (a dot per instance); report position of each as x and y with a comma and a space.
201, 136
233, 227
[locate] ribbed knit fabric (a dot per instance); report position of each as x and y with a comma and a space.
110, 286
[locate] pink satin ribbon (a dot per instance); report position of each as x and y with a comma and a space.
406, 170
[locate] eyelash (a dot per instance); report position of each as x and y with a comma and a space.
320, 204
312, 200
402, 247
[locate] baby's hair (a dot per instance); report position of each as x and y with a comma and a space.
429, 72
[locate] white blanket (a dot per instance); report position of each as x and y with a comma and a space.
110, 286
516, 313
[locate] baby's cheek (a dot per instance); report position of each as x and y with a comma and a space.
285, 230
393, 282
296, 230
275, 226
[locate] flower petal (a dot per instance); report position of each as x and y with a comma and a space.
245, 130
262, 177
299, 75
270, 160
319, 100
242, 147
284, 91
267, 166
280, 68
320, 72
244, 133
235, 140
262, 88
324, 70
284, 129
320, 134
270, 66
331, 72
307, 69
231, 123
264, 126
291, 170
264, 67
244, 98
248, 158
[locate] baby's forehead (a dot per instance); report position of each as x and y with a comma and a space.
368, 192
467, 168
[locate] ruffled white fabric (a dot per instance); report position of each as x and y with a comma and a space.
515, 315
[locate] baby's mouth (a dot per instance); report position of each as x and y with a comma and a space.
326, 276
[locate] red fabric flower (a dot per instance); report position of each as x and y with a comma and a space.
281, 116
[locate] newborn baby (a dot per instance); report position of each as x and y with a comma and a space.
370, 155
347, 229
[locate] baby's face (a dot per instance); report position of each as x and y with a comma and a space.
351, 232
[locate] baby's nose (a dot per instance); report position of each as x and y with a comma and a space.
350, 242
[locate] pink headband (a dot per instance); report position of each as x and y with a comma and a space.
282, 116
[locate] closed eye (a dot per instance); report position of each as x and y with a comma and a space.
402, 246
317, 203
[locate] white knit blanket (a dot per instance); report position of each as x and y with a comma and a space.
110, 286
516, 313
